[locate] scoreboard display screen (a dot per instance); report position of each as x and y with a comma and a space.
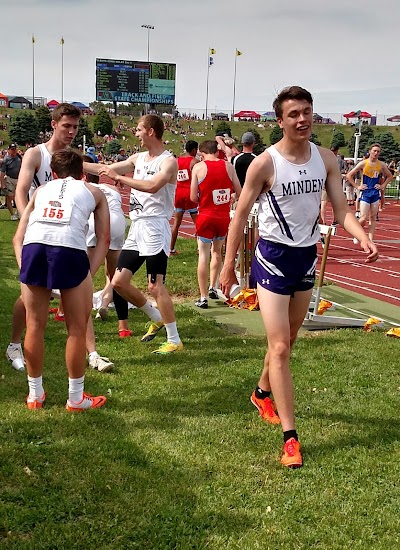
135, 81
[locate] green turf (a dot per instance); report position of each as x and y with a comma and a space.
179, 459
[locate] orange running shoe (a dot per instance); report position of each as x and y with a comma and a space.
291, 454
88, 402
37, 403
125, 333
59, 317
266, 408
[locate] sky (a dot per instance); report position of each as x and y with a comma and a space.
345, 53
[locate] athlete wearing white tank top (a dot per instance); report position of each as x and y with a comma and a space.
289, 179
36, 160
151, 204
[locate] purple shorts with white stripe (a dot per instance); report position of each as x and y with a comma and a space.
283, 269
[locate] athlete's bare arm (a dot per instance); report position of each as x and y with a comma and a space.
343, 213
121, 168
388, 177
350, 175
235, 180
193, 162
18, 238
101, 228
30, 165
259, 178
167, 174
194, 184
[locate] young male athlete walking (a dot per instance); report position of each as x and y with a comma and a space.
35, 172
371, 187
50, 247
289, 177
151, 207
182, 194
213, 183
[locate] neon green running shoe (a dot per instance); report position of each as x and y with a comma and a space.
153, 330
169, 347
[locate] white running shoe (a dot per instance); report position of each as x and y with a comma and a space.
102, 313
16, 357
355, 241
102, 364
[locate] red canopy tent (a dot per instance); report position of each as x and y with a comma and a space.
247, 114
52, 104
395, 118
358, 114
3, 100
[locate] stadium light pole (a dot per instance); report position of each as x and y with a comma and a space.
149, 28
33, 71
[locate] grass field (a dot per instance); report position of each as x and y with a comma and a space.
179, 459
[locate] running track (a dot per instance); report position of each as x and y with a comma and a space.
345, 264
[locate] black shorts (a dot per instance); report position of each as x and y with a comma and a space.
155, 265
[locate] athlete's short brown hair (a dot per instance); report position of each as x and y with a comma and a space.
209, 147
155, 122
65, 109
291, 92
67, 163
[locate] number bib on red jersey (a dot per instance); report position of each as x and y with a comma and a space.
221, 196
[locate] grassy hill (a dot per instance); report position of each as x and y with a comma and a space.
175, 136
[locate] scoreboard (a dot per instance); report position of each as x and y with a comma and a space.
135, 81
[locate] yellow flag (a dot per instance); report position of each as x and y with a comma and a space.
33, 38
212, 51
62, 41
239, 53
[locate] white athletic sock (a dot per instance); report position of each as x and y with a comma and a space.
14, 345
172, 333
75, 387
152, 312
36, 390
92, 355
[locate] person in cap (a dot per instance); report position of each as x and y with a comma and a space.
9, 172
242, 161
91, 152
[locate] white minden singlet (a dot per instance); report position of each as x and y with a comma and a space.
117, 219
289, 211
43, 175
60, 215
160, 204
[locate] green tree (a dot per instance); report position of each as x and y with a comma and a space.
112, 147
390, 150
259, 146
276, 135
314, 139
367, 134
224, 127
102, 123
338, 139
24, 128
43, 117
83, 130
